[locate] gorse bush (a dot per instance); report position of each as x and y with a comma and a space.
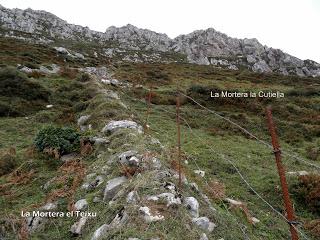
62, 139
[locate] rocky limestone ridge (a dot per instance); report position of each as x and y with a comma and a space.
201, 46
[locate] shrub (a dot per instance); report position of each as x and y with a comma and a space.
17, 84
83, 77
62, 139
308, 189
313, 153
68, 73
7, 162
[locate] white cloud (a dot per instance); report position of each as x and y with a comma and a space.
291, 25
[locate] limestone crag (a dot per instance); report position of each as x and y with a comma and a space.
140, 45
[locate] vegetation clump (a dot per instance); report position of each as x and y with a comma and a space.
61, 139
19, 94
308, 190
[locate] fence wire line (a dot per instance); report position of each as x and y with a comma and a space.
195, 162
239, 173
249, 133
230, 161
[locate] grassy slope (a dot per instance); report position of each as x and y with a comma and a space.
253, 160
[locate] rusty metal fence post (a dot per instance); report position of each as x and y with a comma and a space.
281, 171
178, 135
146, 126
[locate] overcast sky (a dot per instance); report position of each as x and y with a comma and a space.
291, 25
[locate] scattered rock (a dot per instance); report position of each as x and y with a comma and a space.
204, 223
81, 204
83, 120
77, 227
192, 205
299, 173
148, 217
100, 232
125, 157
234, 202
35, 223
204, 237
170, 198
112, 126
99, 140
255, 220
112, 187
199, 172
132, 197
69, 157
194, 187
119, 220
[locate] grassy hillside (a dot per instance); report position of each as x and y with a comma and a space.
31, 178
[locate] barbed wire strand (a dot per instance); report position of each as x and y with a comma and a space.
249, 133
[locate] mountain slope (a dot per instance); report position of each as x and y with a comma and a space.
201, 47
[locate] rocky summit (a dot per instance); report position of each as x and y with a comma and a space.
207, 47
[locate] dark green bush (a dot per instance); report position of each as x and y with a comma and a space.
16, 84
63, 139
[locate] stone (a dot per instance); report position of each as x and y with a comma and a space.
200, 172
170, 198
112, 126
69, 157
49, 106
204, 223
99, 140
132, 197
126, 156
194, 187
100, 232
114, 82
77, 227
112, 187
203, 237
134, 161
192, 205
106, 81
83, 120
35, 223
261, 67
234, 202
255, 220
81, 204
299, 173
170, 186
119, 220
148, 217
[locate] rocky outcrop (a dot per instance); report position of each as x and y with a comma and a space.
201, 47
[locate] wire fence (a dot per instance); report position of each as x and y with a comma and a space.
227, 159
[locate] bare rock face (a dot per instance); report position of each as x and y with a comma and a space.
201, 47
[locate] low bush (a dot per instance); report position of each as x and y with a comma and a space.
17, 84
7, 162
62, 139
308, 190
83, 77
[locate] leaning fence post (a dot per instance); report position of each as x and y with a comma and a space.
146, 126
281, 171
178, 135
